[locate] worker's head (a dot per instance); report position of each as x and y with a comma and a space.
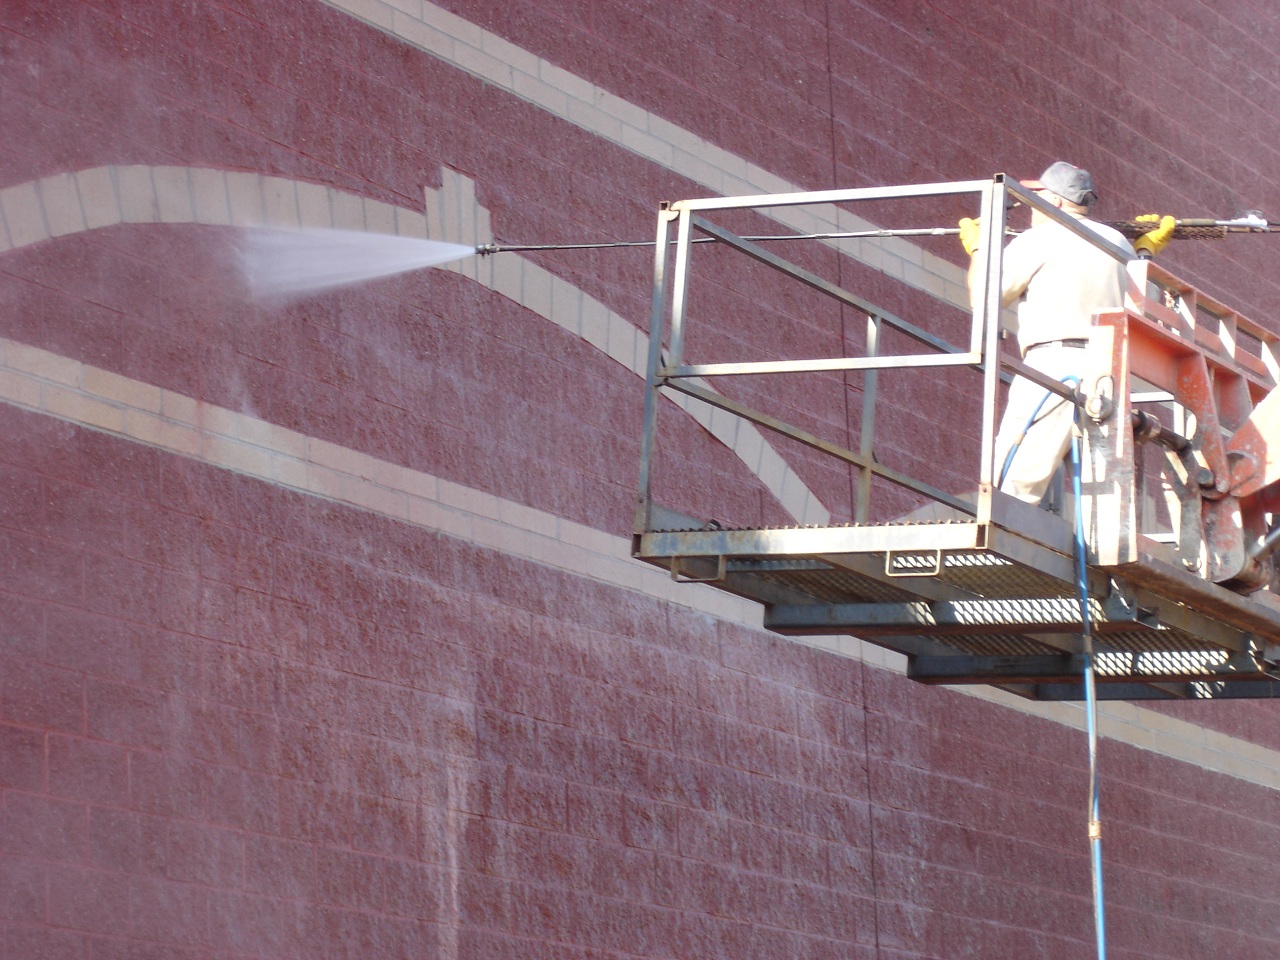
1066, 186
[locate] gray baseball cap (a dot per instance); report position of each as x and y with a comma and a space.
1067, 181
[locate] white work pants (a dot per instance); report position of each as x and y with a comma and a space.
1049, 437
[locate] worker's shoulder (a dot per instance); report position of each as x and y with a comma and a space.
1054, 233
1039, 242
1107, 232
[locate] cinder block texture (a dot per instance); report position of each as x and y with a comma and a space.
320, 637
225, 693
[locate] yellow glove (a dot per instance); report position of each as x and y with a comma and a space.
969, 232
1153, 241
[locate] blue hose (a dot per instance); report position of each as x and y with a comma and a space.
1090, 694
1031, 422
1086, 637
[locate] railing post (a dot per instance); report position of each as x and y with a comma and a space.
986, 323
657, 312
866, 435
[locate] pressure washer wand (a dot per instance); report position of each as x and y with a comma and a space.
1251, 222
485, 249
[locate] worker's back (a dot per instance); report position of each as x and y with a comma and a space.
1061, 280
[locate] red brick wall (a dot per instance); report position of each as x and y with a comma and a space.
240, 721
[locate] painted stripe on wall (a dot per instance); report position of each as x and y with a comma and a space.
516, 71
44, 382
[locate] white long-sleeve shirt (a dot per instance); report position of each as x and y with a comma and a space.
1061, 280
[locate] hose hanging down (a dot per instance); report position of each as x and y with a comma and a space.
1090, 688
1086, 650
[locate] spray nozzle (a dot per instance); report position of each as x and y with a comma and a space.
1251, 219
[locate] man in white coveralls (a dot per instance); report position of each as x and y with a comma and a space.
1059, 281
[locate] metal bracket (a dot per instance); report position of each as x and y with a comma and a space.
678, 577
933, 571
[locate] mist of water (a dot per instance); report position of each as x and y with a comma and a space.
293, 263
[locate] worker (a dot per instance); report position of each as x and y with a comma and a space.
1059, 281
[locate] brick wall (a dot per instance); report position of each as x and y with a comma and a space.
320, 636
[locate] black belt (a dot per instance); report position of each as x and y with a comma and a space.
1081, 344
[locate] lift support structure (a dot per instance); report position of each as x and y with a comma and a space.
972, 586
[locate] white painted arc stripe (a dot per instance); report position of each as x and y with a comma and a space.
103, 196
44, 382
89, 397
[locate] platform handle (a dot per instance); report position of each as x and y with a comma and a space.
915, 572
721, 564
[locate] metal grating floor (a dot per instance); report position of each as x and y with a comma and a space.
970, 605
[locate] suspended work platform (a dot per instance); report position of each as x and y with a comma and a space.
975, 586
987, 603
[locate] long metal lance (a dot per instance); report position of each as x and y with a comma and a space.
1201, 229
1185, 229
485, 249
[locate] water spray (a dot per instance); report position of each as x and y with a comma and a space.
283, 264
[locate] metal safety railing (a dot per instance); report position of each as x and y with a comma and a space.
670, 319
